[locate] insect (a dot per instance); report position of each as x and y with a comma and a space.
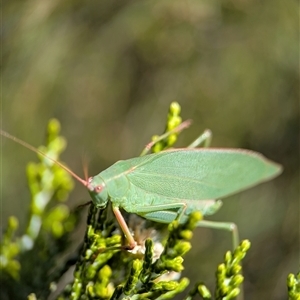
173, 183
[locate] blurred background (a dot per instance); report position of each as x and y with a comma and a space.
108, 70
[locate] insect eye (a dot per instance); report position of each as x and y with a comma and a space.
98, 189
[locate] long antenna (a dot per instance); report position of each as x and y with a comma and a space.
13, 138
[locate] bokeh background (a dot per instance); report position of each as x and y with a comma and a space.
108, 71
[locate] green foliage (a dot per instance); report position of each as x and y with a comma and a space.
228, 276
47, 232
293, 285
173, 120
9, 250
101, 270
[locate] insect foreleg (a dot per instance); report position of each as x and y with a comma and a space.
205, 139
224, 226
124, 227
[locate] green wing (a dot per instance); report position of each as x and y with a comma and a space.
200, 174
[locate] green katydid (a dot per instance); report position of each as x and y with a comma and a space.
173, 183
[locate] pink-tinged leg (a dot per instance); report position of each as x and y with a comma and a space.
177, 129
125, 229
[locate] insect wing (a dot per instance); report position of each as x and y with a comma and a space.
199, 174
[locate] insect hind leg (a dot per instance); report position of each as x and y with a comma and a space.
205, 139
164, 213
223, 226
177, 129
232, 227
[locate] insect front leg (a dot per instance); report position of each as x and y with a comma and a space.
124, 227
205, 139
